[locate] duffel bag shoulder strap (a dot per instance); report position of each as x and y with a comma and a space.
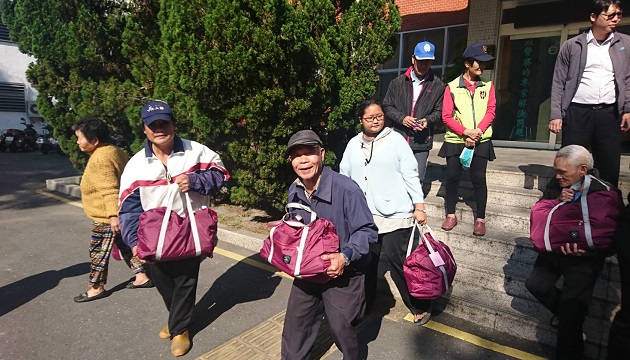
585, 216
547, 225
193, 225
172, 190
431, 255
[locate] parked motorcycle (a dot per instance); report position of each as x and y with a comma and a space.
47, 142
14, 139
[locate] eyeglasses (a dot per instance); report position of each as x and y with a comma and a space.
378, 117
611, 16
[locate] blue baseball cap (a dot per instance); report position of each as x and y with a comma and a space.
156, 110
477, 51
424, 51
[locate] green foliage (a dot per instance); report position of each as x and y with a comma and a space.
241, 75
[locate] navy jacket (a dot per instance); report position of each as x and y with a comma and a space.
341, 200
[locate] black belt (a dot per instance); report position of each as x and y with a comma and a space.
594, 107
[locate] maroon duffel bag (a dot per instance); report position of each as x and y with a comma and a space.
296, 248
590, 222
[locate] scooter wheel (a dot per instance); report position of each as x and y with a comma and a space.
45, 149
13, 148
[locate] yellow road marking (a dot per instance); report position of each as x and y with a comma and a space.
435, 326
251, 262
60, 198
476, 340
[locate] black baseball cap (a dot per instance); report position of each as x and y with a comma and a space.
303, 137
477, 51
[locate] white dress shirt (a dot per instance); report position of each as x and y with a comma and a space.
598, 80
418, 83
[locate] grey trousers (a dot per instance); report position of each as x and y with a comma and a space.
343, 299
421, 157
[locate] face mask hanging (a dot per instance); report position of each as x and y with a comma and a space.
466, 157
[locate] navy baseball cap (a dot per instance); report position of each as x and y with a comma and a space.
156, 110
477, 51
303, 137
424, 51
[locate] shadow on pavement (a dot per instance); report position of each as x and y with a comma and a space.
239, 284
24, 290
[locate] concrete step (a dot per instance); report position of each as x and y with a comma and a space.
530, 177
497, 194
513, 323
515, 219
506, 288
68, 185
503, 251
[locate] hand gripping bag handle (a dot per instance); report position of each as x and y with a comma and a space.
172, 191
300, 249
429, 247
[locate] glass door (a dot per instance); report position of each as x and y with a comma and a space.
523, 87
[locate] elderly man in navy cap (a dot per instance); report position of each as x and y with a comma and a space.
146, 181
339, 199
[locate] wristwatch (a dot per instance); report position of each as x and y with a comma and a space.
346, 259
421, 210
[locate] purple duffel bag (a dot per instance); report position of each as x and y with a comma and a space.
590, 222
163, 235
430, 269
295, 248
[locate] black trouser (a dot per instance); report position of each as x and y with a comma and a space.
395, 249
598, 130
619, 337
371, 275
177, 283
570, 304
477, 177
344, 302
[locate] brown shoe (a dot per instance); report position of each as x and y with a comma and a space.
180, 345
449, 223
164, 333
480, 228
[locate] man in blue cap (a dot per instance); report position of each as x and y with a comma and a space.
413, 103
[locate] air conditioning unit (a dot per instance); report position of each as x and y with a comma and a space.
31, 109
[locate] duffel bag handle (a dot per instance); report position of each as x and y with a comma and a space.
171, 192
422, 237
302, 207
303, 237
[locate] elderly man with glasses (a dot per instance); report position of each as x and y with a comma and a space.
591, 89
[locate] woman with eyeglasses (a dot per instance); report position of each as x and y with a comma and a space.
468, 111
382, 163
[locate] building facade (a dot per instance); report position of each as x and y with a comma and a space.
523, 35
17, 96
